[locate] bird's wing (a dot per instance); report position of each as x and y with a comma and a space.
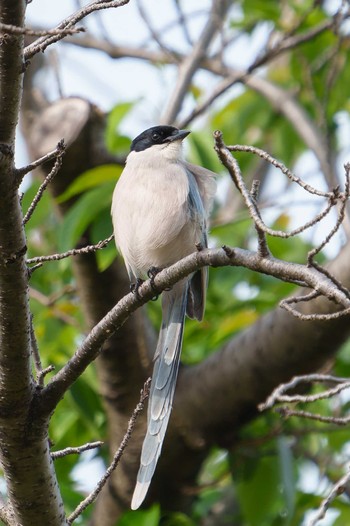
202, 187
206, 181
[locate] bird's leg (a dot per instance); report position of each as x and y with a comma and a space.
134, 287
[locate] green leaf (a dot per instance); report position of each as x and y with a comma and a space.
88, 404
91, 179
203, 151
178, 519
83, 213
148, 517
261, 479
114, 119
101, 229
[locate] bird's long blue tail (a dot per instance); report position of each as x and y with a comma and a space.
166, 366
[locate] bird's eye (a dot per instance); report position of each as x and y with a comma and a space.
155, 136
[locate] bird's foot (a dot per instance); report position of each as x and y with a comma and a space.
152, 272
134, 287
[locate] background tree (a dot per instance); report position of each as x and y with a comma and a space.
222, 462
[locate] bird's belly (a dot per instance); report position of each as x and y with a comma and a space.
150, 233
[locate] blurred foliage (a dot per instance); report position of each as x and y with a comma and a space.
265, 472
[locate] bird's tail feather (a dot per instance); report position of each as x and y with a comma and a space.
166, 366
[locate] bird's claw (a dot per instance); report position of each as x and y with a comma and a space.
134, 287
152, 272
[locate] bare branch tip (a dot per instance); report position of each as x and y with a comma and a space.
217, 135
43, 373
228, 251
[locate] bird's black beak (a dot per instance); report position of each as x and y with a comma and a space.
177, 135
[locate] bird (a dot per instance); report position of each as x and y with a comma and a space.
160, 209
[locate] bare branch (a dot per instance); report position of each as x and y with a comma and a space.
287, 305
48, 179
332, 278
343, 197
339, 421
75, 450
155, 34
121, 51
7, 30
117, 456
42, 43
36, 354
91, 346
263, 248
338, 489
73, 252
183, 22
21, 172
233, 167
47, 302
192, 62
277, 395
42, 373
318, 396
232, 77
278, 164
290, 42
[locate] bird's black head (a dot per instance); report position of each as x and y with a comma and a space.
157, 135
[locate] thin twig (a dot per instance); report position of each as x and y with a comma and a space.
155, 34
278, 164
191, 62
35, 352
93, 495
183, 22
314, 397
48, 179
287, 305
40, 372
234, 170
263, 248
42, 43
343, 197
75, 450
43, 373
21, 172
338, 489
233, 77
331, 277
287, 412
294, 382
47, 302
73, 252
7, 30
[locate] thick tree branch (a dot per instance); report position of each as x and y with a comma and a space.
24, 451
91, 347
